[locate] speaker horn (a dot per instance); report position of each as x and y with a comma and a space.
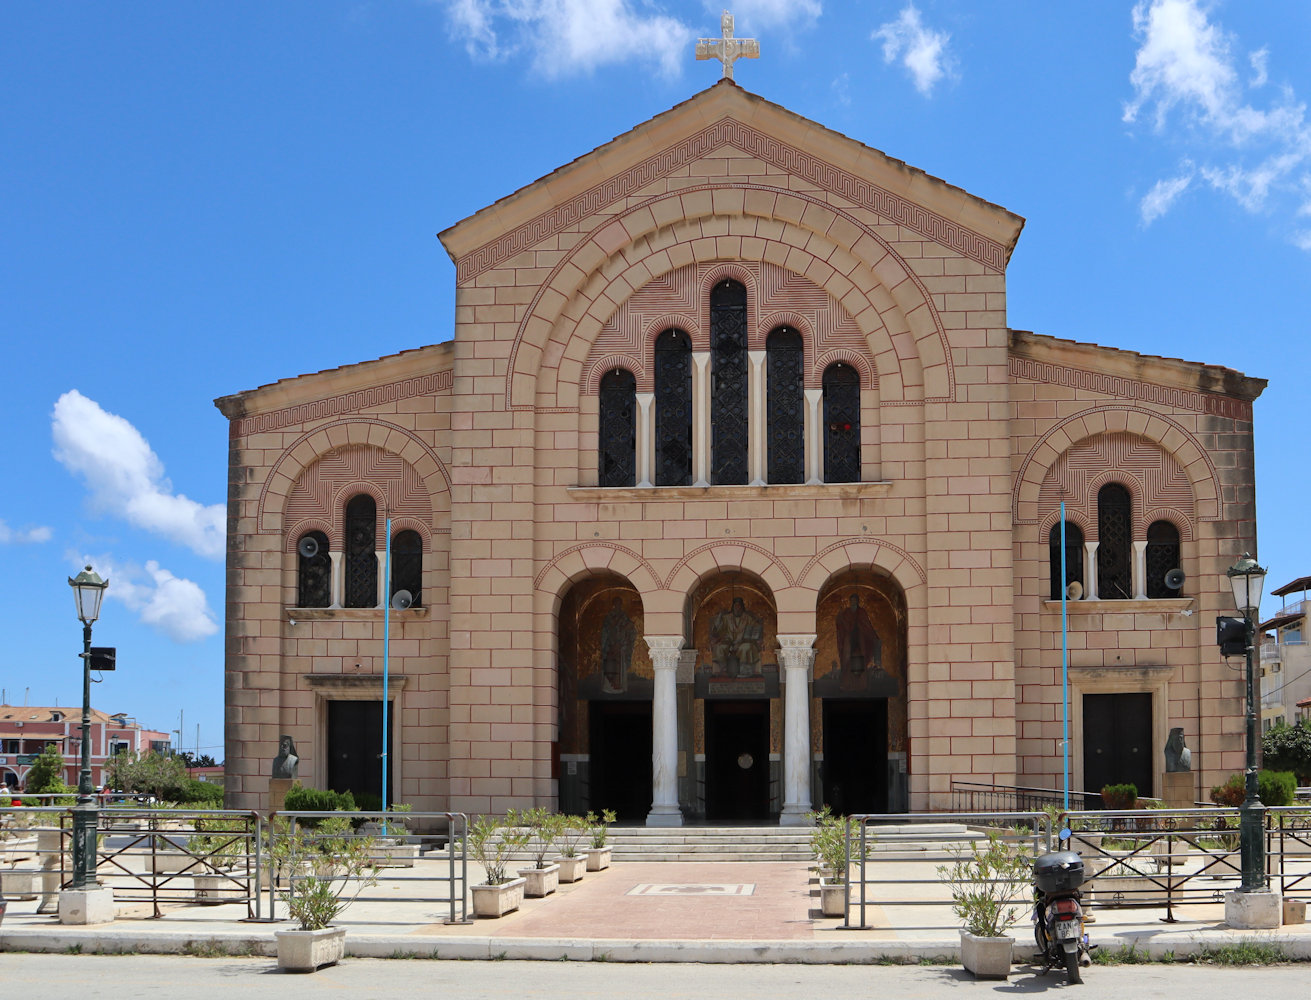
401, 600
1175, 579
308, 547
1074, 591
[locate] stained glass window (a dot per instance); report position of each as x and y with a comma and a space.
841, 424
786, 406
1114, 548
673, 409
1073, 557
407, 565
1162, 556
618, 452
314, 571
361, 553
729, 373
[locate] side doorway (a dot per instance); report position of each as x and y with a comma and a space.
1117, 741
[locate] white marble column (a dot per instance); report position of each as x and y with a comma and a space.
382, 577
796, 654
645, 436
813, 437
338, 579
1140, 571
756, 423
701, 418
665, 650
1090, 571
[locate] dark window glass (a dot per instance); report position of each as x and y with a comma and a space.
314, 572
1073, 557
841, 424
1162, 556
673, 409
786, 406
407, 565
618, 459
729, 368
361, 553
1114, 551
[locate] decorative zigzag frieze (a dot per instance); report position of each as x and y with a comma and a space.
1128, 388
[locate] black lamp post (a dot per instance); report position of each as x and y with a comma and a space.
1247, 579
89, 591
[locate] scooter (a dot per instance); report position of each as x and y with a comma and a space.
1058, 913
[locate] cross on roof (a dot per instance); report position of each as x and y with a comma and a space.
727, 49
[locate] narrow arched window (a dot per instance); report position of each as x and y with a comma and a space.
313, 571
618, 429
1114, 549
361, 553
729, 369
841, 424
785, 404
407, 565
673, 409
1073, 557
1162, 557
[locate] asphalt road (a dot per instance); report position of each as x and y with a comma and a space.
60, 977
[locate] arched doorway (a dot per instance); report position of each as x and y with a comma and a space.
605, 689
860, 718
736, 714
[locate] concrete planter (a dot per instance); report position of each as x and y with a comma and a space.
305, 951
395, 855
571, 869
497, 900
171, 862
986, 957
214, 889
20, 884
540, 881
598, 858
832, 898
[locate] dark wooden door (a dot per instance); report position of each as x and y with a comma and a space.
856, 755
737, 760
619, 758
355, 749
1117, 741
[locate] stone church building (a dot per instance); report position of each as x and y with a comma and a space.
734, 494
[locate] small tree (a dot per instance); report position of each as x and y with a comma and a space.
340, 866
46, 775
1288, 748
147, 773
988, 885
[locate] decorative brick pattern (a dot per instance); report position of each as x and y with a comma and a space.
1130, 388
351, 402
321, 492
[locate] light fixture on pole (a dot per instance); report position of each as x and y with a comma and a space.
1247, 579
88, 592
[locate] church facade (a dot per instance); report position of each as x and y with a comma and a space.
734, 494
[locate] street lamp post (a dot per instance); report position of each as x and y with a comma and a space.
1247, 578
88, 591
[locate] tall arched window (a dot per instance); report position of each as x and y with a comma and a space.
785, 406
1114, 549
618, 427
841, 424
1073, 557
407, 565
313, 571
673, 409
1162, 556
361, 553
729, 369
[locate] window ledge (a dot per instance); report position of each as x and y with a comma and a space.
775, 491
1163, 605
350, 614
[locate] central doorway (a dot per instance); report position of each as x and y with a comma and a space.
1117, 741
619, 742
355, 750
856, 755
737, 760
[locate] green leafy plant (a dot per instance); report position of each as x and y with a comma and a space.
220, 840
1231, 793
1288, 748
1277, 788
1120, 796
301, 799
988, 883
492, 844
828, 841
330, 866
600, 827
203, 793
147, 773
572, 832
46, 777
543, 827
1244, 952
1126, 954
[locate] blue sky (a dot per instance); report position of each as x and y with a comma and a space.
200, 198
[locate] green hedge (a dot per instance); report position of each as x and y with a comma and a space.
205, 793
1276, 788
300, 799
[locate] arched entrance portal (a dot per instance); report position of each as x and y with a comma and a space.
606, 683
859, 729
736, 713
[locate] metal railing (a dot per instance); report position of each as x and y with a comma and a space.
970, 796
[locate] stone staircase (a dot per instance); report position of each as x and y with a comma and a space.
909, 842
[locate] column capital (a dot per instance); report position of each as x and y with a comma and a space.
797, 652
665, 650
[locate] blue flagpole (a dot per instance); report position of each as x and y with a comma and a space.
386, 647
1065, 671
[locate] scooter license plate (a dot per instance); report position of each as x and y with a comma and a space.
1067, 929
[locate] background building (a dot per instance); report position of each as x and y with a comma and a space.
1285, 657
26, 731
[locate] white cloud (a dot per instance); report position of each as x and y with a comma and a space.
1163, 194
171, 605
922, 52
562, 37
841, 87
1186, 79
769, 13
127, 479
15, 536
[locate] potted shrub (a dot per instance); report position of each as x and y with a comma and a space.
543, 828
491, 846
988, 883
829, 844
572, 862
338, 866
598, 855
